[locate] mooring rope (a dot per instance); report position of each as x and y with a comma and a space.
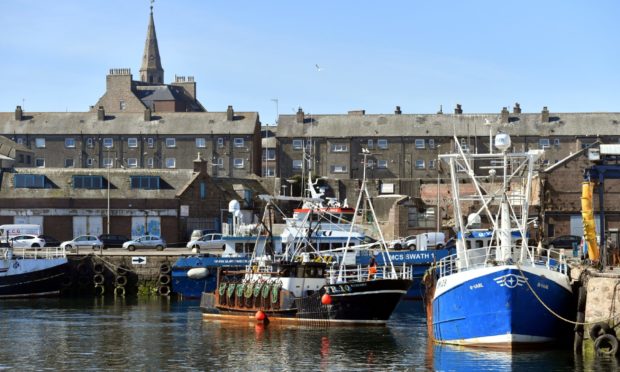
556, 314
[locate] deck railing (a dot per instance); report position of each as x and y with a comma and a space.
552, 259
35, 253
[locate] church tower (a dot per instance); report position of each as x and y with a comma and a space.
151, 70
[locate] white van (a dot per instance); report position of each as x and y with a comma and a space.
429, 240
9, 231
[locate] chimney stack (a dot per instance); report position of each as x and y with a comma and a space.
440, 112
200, 164
300, 116
147, 114
397, 111
100, 113
517, 108
19, 114
505, 115
544, 117
458, 110
230, 113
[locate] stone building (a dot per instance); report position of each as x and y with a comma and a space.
168, 203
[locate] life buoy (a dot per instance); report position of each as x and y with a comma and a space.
606, 344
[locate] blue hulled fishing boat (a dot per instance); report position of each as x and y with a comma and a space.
497, 290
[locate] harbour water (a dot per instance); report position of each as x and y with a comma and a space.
162, 334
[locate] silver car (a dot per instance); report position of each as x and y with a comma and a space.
147, 241
82, 241
213, 242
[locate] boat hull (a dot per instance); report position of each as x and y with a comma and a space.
495, 307
33, 278
358, 303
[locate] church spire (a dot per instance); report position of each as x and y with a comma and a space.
151, 70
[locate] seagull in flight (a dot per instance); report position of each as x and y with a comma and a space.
318, 68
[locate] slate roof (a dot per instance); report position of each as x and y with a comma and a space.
435, 125
173, 123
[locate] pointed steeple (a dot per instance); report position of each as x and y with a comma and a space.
151, 70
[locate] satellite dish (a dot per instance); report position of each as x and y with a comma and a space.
233, 206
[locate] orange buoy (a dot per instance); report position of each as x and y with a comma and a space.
260, 316
326, 299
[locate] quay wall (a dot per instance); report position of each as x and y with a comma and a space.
118, 275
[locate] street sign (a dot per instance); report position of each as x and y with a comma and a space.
138, 260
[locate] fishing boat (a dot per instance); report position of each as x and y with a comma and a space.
307, 284
497, 290
31, 272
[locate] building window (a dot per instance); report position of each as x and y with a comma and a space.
171, 162
87, 182
171, 142
556, 142
122, 105
21, 158
39, 143
90, 162
382, 144
370, 163
69, 163
31, 181
340, 147
297, 164
424, 219
132, 162
70, 143
238, 162
269, 154
419, 143
464, 145
544, 143
90, 143
20, 141
203, 190
39, 162
108, 142
239, 142
382, 164
150, 142
431, 143
298, 144
220, 162
145, 182
132, 142
371, 144
107, 162
149, 163
419, 164
201, 143
432, 164
270, 172
339, 169
220, 142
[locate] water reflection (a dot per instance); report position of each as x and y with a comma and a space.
162, 334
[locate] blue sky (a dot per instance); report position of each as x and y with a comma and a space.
483, 54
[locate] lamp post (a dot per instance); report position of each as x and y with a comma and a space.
109, 165
438, 208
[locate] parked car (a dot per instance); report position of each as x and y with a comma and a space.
564, 241
434, 240
26, 241
50, 241
147, 241
197, 234
82, 241
112, 240
208, 241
